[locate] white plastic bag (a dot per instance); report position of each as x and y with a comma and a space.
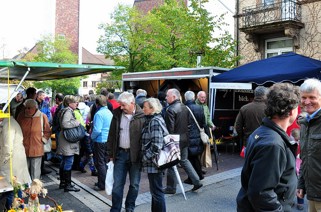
109, 178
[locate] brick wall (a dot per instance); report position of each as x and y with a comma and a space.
67, 21
147, 5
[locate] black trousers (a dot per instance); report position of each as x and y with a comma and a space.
100, 160
196, 163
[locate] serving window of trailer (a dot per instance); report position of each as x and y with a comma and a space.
227, 105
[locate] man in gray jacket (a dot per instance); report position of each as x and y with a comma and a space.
310, 143
177, 119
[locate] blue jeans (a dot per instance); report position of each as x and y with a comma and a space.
122, 166
156, 190
188, 168
66, 162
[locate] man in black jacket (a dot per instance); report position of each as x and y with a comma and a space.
268, 176
177, 119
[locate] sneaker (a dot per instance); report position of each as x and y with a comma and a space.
188, 181
196, 187
169, 191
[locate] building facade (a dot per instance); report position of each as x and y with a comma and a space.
67, 27
266, 28
147, 5
67, 22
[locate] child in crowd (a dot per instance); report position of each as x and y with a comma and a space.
295, 135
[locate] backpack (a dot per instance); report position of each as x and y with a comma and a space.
55, 120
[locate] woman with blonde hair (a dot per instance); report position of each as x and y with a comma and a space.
65, 148
152, 142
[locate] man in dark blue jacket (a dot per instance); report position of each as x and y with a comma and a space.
196, 146
268, 176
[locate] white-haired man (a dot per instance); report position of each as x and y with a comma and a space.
177, 121
123, 147
310, 143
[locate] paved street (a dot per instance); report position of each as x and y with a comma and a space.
218, 193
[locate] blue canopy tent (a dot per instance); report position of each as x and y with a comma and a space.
287, 67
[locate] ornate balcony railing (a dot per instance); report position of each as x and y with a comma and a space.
262, 14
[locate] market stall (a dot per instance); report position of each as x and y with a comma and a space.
36, 71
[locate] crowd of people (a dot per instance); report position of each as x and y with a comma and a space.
130, 132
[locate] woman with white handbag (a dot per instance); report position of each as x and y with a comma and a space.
152, 143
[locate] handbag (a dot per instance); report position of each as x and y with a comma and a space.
170, 154
73, 135
109, 181
46, 142
242, 153
206, 158
203, 135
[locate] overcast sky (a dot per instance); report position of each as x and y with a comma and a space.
24, 22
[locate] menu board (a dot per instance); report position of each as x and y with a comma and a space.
232, 99
242, 97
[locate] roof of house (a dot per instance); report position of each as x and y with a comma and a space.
89, 58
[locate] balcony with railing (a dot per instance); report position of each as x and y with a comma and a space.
271, 17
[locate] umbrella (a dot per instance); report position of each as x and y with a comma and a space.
215, 153
179, 181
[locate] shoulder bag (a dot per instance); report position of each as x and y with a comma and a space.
204, 136
75, 134
170, 154
46, 143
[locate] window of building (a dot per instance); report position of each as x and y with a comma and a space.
84, 84
93, 84
278, 46
61, 36
267, 2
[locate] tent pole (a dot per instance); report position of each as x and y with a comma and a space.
14, 93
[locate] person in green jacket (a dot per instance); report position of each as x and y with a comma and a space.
201, 100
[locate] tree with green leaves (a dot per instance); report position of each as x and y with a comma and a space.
54, 50
123, 39
171, 35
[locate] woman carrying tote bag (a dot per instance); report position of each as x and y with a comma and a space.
152, 143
